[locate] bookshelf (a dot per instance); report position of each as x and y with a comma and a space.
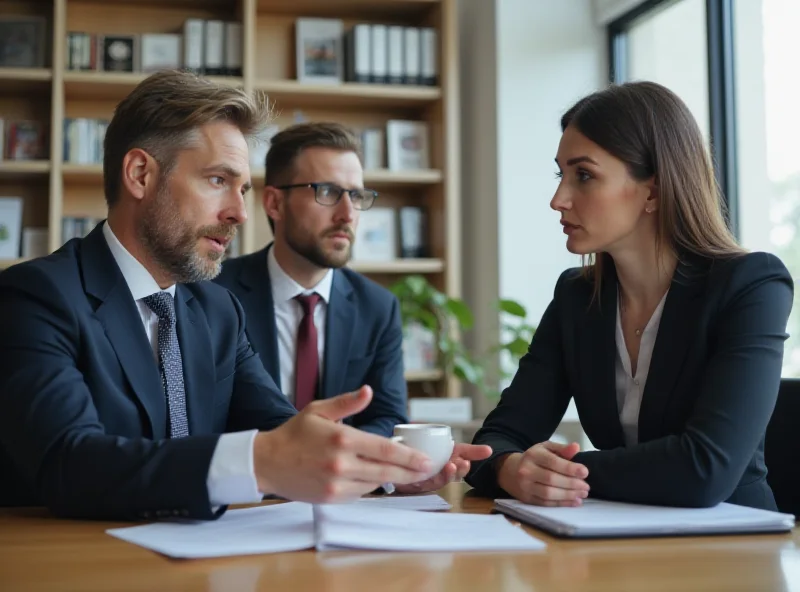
53, 189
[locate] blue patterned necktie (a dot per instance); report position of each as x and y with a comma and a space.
169, 353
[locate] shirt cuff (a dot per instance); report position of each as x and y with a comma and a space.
231, 476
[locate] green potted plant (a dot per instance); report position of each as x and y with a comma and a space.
445, 318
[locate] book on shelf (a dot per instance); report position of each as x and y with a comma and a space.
23, 139
160, 51
407, 145
211, 47
83, 140
319, 54
412, 233
76, 227
10, 227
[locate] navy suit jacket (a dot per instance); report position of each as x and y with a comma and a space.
363, 338
83, 420
710, 392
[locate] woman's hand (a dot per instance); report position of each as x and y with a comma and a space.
544, 475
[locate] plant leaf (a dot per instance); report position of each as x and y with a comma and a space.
512, 307
518, 347
459, 309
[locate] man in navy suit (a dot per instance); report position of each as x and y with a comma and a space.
358, 334
350, 332
128, 388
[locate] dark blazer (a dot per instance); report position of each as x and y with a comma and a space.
363, 337
711, 387
82, 407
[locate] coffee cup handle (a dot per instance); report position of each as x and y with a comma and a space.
397, 439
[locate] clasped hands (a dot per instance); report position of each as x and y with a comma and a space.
315, 458
544, 475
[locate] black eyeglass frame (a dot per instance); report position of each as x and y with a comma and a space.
317, 186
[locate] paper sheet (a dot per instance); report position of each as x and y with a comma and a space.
348, 526
420, 503
265, 529
386, 524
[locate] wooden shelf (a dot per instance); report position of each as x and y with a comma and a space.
377, 178
347, 94
365, 9
15, 169
424, 375
82, 173
16, 80
6, 263
398, 266
374, 178
115, 85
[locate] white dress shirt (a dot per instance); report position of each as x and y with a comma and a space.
289, 313
630, 387
231, 477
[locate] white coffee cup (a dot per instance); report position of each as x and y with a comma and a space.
433, 440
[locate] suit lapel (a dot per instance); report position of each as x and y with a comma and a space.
117, 312
342, 319
669, 352
198, 361
597, 351
261, 328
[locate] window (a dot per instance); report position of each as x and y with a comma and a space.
667, 44
766, 47
734, 63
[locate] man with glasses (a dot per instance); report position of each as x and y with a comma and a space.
319, 327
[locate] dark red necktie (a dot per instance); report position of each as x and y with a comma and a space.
306, 366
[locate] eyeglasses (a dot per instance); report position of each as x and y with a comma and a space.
329, 194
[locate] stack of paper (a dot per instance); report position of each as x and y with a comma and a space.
364, 524
342, 527
599, 518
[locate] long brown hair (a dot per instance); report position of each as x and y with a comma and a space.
652, 131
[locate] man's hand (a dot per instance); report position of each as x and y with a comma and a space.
312, 458
455, 470
544, 475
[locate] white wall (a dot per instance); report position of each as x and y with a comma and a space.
550, 54
523, 63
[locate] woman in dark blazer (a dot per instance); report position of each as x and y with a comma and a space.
670, 338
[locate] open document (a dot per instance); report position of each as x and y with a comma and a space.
293, 526
599, 518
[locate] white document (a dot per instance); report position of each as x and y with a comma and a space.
265, 529
356, 526
600, 518
419, 503
384, 524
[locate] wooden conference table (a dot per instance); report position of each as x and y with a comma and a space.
38, 552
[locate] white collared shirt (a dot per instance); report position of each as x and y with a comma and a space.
630, 387
231, 476
289, 313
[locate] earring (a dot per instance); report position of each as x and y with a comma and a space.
649, 210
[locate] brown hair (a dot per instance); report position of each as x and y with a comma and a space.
653, 132
288, 144
162, 113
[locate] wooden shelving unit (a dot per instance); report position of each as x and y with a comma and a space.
23, 168
53, 189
